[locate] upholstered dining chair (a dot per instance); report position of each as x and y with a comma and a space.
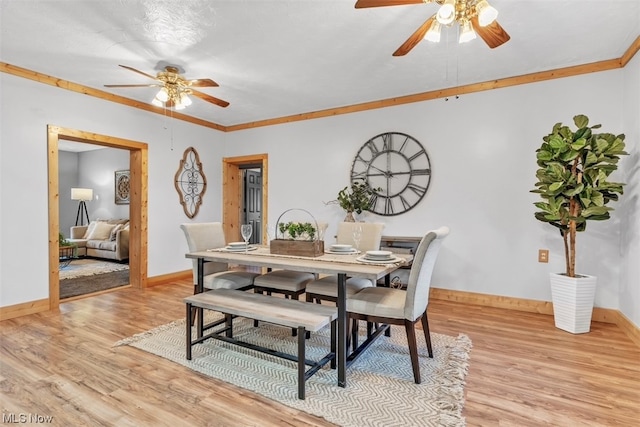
210, 235
326, 289
400, 307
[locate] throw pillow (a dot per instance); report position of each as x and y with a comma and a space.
89, 229
114, 232
102, 231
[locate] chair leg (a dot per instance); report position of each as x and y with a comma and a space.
354, 335
413, 349
427, 334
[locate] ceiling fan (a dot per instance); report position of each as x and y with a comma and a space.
175, 89
473, 16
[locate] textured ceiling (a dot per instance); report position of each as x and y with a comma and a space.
283, 57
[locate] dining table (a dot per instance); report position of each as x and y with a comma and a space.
342, 265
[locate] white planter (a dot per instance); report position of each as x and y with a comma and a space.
573, 299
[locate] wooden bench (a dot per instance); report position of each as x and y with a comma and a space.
284, 312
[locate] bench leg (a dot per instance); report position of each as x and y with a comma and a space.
189, 325
228, 322
301, 359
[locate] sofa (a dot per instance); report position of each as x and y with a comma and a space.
107, 239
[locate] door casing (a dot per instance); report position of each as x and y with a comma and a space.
138, 164
232, 193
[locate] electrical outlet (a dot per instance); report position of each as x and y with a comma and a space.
543, 255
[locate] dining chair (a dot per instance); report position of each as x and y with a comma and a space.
326, 288
400, 307
210, 235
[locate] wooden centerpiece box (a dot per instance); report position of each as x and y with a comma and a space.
311, 248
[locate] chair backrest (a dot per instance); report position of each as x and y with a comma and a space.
419, 282
371, 234
202, 236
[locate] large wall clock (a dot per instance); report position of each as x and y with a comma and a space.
398, 167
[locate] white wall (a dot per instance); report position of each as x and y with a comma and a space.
67, 179
482, 150
27, 108
629, 251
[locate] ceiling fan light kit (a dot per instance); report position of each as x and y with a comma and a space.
474, 18
462, 11
175, 89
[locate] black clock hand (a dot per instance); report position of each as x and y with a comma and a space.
386, 173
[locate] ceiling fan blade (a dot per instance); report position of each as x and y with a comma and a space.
361, 4
202, 83
493, 34
415, 38
154, 85
139, 72
209, 98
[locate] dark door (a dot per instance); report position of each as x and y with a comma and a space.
253, 203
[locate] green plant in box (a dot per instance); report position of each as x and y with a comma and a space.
574, 166
303, 230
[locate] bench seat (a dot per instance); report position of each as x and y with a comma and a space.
284, 312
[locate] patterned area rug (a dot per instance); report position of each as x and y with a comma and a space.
380, 389
89, 267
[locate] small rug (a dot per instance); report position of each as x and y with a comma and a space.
89, 267
90, 284
380, 388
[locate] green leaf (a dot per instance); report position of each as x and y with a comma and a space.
544, 155
595, 210
581, 120
597, 198
555, 186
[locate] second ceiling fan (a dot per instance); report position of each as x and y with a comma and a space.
175, 89
473, 17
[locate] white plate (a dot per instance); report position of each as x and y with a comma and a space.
237, 244
341, 248
240, 248
378, 261
353, 251
379, 254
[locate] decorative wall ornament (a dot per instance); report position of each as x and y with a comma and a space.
190, 182
122, 187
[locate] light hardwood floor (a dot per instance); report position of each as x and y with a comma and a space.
523, 371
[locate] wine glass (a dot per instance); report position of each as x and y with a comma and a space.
357, 235
246, 231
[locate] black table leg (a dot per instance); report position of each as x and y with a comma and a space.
342, 330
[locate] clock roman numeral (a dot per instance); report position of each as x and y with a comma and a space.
388, 207
387, 142
373, 201
406, 205
404, 144
418, 154
419, 190
420, 172
359, 175
372, 146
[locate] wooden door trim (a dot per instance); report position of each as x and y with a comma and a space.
138, 165
232, 193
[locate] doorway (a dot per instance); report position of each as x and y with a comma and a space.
138, 154
252, 202
234, 171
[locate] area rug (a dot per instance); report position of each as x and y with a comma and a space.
89, 267
380, 388
89, 284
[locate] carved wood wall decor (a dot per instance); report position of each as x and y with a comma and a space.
190, 182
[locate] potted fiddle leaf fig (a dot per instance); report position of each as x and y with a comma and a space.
572, 181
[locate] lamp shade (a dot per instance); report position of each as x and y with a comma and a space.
81, 194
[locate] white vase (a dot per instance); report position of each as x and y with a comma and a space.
573, 299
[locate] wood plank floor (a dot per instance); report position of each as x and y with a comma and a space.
523, 371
